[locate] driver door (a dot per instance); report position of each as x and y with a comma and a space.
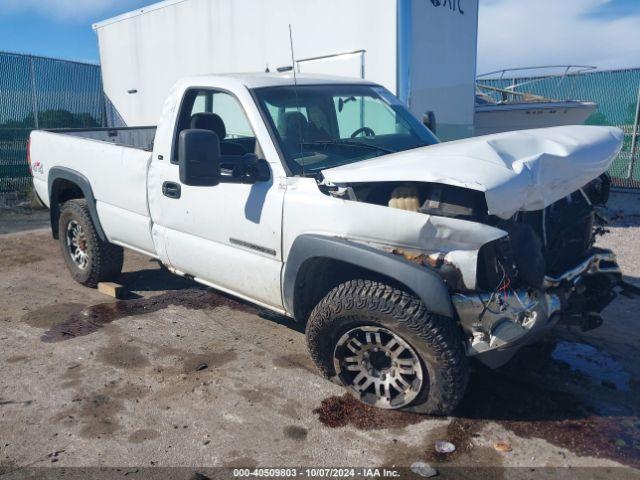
227, 236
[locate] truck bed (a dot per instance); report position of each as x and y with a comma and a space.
132, 137
114, 162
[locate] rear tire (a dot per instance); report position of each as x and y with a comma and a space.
411, 346
89, 259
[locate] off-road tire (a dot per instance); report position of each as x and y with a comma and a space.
437, 340
104, 259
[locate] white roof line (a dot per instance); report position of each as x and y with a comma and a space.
259, 80
135, 13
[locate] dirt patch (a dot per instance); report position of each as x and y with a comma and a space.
100, 416
242, 462
207, 361
292, 409
460, 432
261, 395
15, 217
91, 319
336, 412
480, 463
7, 466
51, 315
123, 355
254, 396
131, 391
13, 254
97, 413
295, 433
295, 361
615, 438
141, 436
17, 359
72, 378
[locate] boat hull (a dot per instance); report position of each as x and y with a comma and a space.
524, 116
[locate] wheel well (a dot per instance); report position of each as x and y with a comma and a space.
62, 191
318, 276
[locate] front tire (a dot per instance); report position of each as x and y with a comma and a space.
89, 259
387, 349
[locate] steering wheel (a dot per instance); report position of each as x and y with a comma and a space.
366, 130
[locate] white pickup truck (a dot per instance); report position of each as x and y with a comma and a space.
326, 200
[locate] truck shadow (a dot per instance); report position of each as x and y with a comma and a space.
146, 291
541, 394
153, 280
624, 221
524, 390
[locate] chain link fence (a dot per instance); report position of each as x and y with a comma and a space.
617, 93
37, 92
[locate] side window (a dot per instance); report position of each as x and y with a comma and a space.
230, 110
202, 103
221, 113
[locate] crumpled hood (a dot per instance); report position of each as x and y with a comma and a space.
522, 170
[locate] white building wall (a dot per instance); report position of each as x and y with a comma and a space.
422, 50
443, 63
149, 51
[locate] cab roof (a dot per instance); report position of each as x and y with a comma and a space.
260, 80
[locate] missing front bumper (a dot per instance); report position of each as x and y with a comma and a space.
603, 262
497, 325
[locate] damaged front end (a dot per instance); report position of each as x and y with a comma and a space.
547, 270
543, 269
510, 223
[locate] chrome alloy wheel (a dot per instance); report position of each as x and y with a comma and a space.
77, 244
379, 366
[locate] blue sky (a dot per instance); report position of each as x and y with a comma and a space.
518, 33
619, 8
57, 28
513, 33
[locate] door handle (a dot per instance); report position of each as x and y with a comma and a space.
171, 190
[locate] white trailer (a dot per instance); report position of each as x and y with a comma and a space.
424, 51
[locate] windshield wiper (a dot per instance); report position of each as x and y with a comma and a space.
350, 143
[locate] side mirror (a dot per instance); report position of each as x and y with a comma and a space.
429, 121
199, 158
252, 169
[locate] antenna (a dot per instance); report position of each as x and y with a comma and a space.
293, 58
295, 89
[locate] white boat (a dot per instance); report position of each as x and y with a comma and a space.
513, 108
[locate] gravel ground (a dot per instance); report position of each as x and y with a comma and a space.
182, 376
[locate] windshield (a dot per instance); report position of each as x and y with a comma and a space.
325, 126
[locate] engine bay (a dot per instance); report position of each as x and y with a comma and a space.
540, 243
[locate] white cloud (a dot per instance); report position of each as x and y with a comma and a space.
68, 10
518, 33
